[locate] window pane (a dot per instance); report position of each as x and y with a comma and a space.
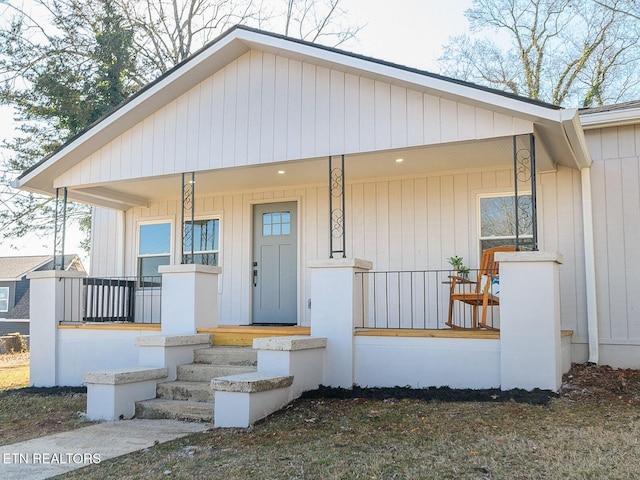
148, 266
276, 229
286, 217
205, 234
155, 238
266, 230
206, 258
4, 299
498, 216
286, 229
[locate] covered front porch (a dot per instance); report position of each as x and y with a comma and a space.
407, 210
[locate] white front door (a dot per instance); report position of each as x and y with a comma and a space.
275, 263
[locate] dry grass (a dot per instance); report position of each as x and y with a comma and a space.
408, 439
27, 413
592, 431
14, 371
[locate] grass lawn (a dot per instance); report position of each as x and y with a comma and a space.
14, 371
408, 439
591, 431
27, 413
586, 433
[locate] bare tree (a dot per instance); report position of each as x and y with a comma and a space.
169, 31
54, 66
559, 51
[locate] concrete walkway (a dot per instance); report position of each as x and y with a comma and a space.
53, 455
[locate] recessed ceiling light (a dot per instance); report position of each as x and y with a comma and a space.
399, 160
280, 172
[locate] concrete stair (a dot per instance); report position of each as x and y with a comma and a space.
190, 397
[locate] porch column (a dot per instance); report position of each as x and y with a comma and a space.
524, 171
189, 298
530, 320
59, 228
56, 296
336, 304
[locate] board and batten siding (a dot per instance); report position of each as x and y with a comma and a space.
616, 210
265, 108
107, 243
400, 224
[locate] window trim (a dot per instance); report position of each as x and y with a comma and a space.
8, 292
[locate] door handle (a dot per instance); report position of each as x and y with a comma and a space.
255, 274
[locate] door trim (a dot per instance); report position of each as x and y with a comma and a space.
298, 200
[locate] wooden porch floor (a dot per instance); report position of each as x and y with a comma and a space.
243, 335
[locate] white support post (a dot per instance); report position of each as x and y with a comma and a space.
336, 306
530, 353
189, 298
56, 296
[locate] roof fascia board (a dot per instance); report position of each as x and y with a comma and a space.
576, 139
614, 118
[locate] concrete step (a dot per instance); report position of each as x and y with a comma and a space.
244, 356
204, 372
159, 408
193, 391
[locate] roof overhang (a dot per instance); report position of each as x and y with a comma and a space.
558, 129
611, 118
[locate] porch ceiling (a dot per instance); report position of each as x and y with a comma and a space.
362, 166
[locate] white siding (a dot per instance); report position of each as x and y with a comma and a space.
107, 243
412, 223
616, 210
265, 108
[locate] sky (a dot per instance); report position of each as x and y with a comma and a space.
406, 32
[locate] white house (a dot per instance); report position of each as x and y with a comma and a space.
280, 164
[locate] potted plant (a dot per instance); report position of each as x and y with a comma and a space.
456, 263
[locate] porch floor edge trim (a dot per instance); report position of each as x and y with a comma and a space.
156, 327
446, 333
408, 332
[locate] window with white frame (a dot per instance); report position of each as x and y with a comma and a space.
4, 299
154, 249
206, 241
498, 220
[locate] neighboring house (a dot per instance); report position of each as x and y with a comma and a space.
14, 288
260, 124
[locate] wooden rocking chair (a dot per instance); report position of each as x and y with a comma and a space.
480, 297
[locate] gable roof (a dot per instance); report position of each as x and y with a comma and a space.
238, 41
14, 268
20, 310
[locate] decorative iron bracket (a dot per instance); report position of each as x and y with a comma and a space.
59, 228
337, 243
524, 168
188, 216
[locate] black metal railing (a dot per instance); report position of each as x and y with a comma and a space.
419, 300
116, 299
